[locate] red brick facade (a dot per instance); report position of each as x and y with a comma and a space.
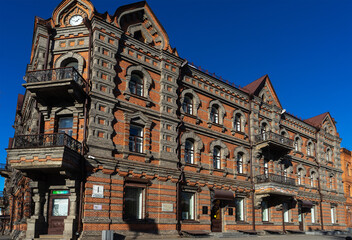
136, 140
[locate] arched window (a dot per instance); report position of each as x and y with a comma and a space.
328, 155
297, 144
187, 104
309, 149
312, 179
216, 158
237, 122
240, 162
214, 114
266, 168
263, 131
331, 182
70, 62
300, 176
136, 84
189, 151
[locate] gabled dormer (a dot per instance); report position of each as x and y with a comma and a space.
139, 21
263, 88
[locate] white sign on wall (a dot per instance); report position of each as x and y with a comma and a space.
167, 207
98, 191
97, 207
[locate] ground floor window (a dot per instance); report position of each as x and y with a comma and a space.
286, 212
333, 214
239, 202
134, 203
313, 214
265, 211
187, 205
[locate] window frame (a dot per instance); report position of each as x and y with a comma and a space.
239, 163
217, 157
187, 104
265, 211
214, 114
192, 206
237, 122
240, 208
142, 201
138, 84
135, 141
189, 152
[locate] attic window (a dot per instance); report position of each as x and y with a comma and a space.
139, 36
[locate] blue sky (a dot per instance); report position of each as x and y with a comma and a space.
304, 45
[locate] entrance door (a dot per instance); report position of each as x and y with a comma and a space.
216, 221
301, 219
58, 211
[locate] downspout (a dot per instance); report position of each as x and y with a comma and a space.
179, 164
84, 143
319, 186
251, 159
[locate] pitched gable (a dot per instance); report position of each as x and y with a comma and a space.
68, 8
138, 20
324, 121
263, 88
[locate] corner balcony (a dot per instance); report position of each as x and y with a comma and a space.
45, 153
57, 85
273, 141
272, 184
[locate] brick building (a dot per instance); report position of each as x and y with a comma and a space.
346, 164
117, 132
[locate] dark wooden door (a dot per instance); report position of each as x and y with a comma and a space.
301, 219
58, 212
216, 222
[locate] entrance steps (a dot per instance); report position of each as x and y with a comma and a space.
50, 237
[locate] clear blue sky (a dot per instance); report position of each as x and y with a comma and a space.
304, 45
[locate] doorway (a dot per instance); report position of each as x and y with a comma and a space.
216, 222
58, 211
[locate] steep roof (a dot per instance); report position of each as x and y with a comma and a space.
317, 120
256, 86
253, 86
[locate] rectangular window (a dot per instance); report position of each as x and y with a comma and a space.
333, 214
65, 125
187, 205
312, 214
265, 211
136, 139
286, 212
134, 203
239, 209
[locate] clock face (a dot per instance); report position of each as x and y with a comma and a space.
76, 20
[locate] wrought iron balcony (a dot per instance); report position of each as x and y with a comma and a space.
55, 85
276, 179
45, 153
55, 74
46, 140
273, 140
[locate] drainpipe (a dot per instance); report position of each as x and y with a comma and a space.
179, 164
251, 159
84, 142
319, 187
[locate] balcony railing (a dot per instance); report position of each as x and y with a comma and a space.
275, 178
270, 136
55, 74
46, 140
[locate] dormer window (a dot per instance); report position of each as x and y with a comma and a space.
139, 36
136, 84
